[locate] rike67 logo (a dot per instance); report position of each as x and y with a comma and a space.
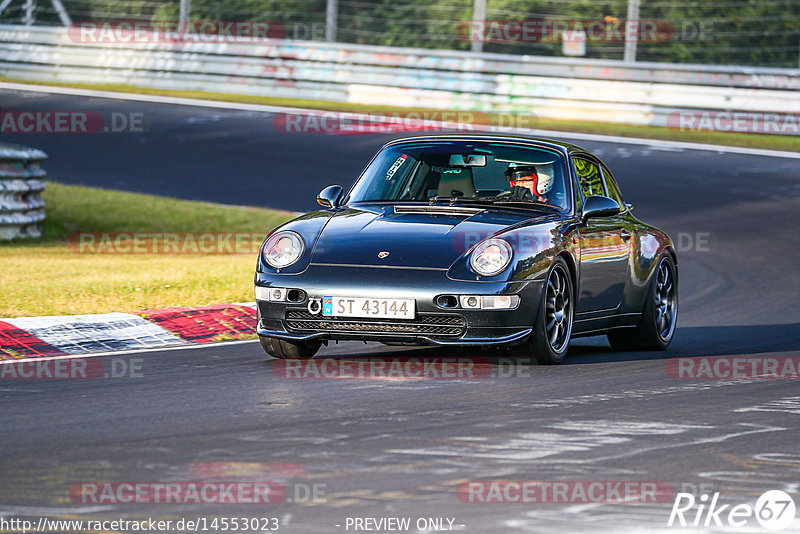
774, 510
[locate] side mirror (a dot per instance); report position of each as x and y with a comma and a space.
597, 206
330, 197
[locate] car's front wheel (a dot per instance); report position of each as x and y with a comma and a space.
659, 317
280, 348
553, 327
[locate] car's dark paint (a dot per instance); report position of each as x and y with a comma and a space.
611, 257
604, 261
597, 206
309, 226
421, 284
331, 196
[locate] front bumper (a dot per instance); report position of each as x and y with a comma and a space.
432, 325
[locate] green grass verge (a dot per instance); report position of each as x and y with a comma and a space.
747, 140
46, 277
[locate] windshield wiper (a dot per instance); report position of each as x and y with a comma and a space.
528, 203
502, 201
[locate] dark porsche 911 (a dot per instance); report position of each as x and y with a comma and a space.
469, 240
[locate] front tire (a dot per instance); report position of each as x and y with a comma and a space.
660, 315
287, 350
552, 330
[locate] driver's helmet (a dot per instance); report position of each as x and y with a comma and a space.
527, 177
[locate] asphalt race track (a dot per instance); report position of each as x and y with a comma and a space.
401, 448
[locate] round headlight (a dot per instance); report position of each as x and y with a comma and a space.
490, 257
282, 249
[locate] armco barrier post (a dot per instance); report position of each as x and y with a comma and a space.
21, 182
331, 20
630, 36
478, 17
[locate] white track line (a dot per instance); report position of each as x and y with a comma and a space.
303, 111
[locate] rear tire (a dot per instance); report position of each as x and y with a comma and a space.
549, 342
288, 350
656, 328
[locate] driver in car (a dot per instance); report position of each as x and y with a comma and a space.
526, 183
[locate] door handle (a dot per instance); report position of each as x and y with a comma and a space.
625, 235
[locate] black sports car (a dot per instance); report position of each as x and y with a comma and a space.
469, 240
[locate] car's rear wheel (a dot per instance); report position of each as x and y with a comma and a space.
656, 328
280, 348
553, 327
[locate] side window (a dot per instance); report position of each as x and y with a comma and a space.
612, 187
589, 177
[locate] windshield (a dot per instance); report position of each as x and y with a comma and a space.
477, 171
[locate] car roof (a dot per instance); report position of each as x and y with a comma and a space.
537, 141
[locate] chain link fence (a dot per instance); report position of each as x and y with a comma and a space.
721, 32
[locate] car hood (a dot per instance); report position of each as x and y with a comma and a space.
416, 238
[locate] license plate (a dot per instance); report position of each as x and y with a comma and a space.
367, 307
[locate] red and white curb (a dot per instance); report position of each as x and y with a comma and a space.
34, 337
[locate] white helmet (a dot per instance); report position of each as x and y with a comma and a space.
544, 182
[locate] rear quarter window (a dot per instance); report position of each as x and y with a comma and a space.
589, 177
612, 187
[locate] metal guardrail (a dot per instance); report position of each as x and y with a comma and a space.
447, 60
21, 183
565, 88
